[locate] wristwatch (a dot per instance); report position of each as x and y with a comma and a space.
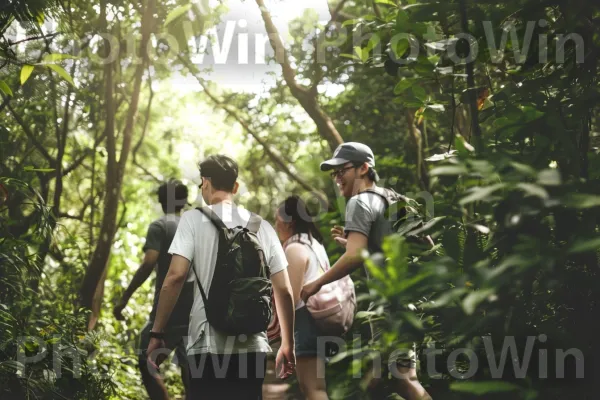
157, 335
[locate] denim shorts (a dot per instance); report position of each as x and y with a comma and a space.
306, 336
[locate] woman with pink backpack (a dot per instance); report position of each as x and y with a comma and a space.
328, 313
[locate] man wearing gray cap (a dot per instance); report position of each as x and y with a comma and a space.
353, 168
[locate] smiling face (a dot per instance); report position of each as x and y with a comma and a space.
347, 178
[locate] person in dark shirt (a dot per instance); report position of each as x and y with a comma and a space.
366, 226
172, 196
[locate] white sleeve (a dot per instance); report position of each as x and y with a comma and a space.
273, 251
183, 242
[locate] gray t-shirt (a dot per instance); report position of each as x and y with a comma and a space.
365, 213
159, 237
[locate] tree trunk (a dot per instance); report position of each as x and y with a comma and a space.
115, 169
417, 138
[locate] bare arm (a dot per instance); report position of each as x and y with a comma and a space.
349, 261
142, 273
285, 305
297, 265
170, 291
345, 265
140, 276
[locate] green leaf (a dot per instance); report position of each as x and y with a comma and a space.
411, 318
436, 107
441, 157
430, 224
52, 58
363, 54
449, 170
473, 299
549, 177
26, 73
402, 86
365, 314
34, 169
583, 245
523, 168
399, 47
402, 21
388, 2
419, 93
434, 59
462, 146
481, 388
350, 22
374, 41
61, 72
480, 193
5, 89
533, 190
176, 13
581, 200
352, 56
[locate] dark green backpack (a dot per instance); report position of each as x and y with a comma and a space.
239, 300
403, 213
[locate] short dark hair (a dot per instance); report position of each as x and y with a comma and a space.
371, 173
172, 196
222, 171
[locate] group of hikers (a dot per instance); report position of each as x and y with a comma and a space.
231, 288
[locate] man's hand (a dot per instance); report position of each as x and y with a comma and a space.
285, 362
155, 345
310, 289
337, 233
118, 310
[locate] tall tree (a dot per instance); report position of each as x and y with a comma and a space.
115, 168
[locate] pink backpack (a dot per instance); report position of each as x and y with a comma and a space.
333, 307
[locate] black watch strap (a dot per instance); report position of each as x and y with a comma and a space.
157, 335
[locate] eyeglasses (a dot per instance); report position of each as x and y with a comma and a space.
340, 172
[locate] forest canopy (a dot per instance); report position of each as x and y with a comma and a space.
484, 114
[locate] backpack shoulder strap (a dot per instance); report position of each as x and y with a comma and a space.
381, 193
300, 240
214, 218
254, 223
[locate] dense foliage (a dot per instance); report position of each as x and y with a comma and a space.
500, 149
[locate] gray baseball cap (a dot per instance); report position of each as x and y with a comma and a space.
353, 152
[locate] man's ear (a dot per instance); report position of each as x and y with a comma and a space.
236, 186
364, 168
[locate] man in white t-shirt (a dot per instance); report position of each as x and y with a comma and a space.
221, 366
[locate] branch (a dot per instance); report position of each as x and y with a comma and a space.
81, 214
77, 162
146, 120
143, 136
270, 153
376, 9
44, 37
318, 41
279, 48
475, 128
416, 136
31, 136
69, 216
306, 98
82, 157
5, 102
